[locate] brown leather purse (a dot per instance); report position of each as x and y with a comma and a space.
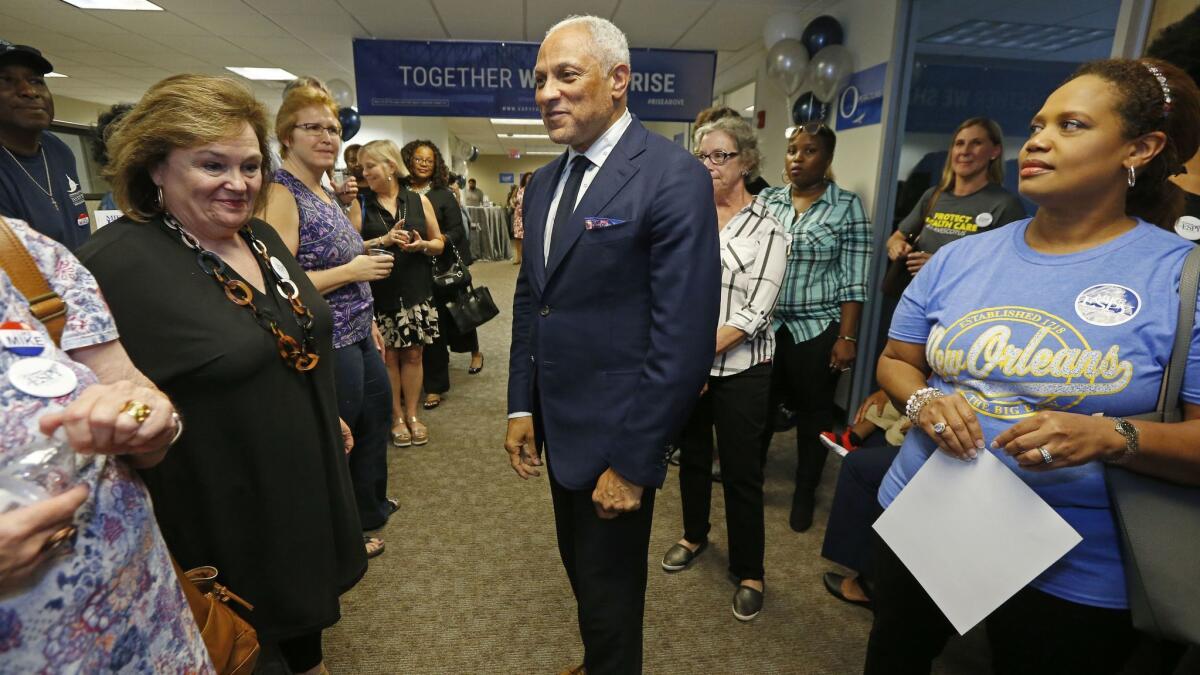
232, 643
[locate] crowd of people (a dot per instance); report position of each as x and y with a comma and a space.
288, 316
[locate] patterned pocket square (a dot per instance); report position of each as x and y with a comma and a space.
594, 223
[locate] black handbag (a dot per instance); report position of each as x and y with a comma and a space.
896, 278
1159, 521
454, 275
471, 308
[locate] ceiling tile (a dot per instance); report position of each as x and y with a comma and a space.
159, 24
661, 27
542, 14
237, 24
472, 20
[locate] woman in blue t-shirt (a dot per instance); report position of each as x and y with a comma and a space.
1011, 341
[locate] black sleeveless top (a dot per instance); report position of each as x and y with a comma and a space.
411, 280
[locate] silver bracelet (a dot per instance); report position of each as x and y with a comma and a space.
178, 429
917, 402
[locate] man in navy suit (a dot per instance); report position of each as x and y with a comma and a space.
614, 324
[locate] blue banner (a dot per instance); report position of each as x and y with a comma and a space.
495, 79
944, 93
861, 102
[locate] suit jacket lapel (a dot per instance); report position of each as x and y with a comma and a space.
616, 172
535, 222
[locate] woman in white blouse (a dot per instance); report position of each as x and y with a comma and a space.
735, 399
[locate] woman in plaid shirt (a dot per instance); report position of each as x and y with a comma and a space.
824, 286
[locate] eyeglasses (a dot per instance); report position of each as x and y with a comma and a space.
313, 129
718, 157
423, 160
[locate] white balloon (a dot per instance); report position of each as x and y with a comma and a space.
783, 26
829, 71
787, 63
342, 93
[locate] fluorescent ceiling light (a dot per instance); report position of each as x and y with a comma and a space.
1008, 35
517, 122
53, 74
262, 73
545, 136
135, 5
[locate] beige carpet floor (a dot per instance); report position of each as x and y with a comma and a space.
471, 581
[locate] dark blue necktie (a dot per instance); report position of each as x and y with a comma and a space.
566, 203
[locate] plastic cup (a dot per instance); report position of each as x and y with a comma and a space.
39, 470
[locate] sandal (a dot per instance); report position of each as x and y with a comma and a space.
420, 433
432, 401
401, 438
393, 505
374, 546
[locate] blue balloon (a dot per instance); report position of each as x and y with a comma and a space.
822, 32
351, 122
809, 108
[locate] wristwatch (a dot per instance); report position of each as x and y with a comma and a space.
1130, 432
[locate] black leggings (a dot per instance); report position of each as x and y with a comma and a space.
1033, 633
302, 652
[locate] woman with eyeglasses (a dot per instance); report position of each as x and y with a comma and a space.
316, 230
734, 400
816, 318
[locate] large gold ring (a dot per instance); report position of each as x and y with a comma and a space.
137, 410
59, 539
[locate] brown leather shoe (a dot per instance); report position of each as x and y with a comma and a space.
577, 670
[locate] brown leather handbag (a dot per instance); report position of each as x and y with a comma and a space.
232, 642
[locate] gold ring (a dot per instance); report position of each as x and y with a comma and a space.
137, 410
59, 539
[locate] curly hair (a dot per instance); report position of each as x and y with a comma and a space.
103, 125
441, 174
182, 111
1177, 45
1143, 109
743, 138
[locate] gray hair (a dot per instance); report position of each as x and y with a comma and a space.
743, 137
611, 47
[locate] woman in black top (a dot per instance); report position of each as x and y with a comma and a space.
428, 176
405, 223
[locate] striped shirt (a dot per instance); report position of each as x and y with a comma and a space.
827, 265
753, 257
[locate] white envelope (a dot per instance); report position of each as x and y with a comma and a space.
973, 534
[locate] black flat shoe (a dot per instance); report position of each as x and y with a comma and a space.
801, 517
472, 370
679, 557
833, 584
747, 603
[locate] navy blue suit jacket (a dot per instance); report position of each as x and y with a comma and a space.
617, 331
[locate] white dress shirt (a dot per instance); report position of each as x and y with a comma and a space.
597, 153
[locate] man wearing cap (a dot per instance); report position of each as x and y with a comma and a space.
38, 180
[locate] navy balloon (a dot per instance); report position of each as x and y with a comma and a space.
809, 108
822, 32
351, 122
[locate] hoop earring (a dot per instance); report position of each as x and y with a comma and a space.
161, 204
1132, 180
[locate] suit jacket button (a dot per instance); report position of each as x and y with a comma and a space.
545, 311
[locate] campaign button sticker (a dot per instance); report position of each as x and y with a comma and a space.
1188, 227
1107, 304
21, 339
984, 219
43, 378
277, 265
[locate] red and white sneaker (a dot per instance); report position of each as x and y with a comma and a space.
843, 445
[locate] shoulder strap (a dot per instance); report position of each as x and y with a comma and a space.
47, 306
1189, 281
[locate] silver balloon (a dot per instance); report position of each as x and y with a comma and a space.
829, 71
787, 62
342, 93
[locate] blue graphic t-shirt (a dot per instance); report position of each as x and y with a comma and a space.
1016, 332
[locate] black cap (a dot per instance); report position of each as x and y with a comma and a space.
10, 53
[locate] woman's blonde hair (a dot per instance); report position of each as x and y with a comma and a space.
995, 168
182, 111
744, 140
385, 151
296, 100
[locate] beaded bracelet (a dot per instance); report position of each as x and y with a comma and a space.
917, 402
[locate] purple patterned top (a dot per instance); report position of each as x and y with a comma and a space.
327, 239
113, 602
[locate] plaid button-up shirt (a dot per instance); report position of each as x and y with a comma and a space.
827, 264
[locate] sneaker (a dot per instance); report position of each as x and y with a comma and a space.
842, 446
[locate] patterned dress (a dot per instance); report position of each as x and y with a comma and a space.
113, 602
328, 240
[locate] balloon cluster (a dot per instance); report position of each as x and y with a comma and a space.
808, 58
343, 96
